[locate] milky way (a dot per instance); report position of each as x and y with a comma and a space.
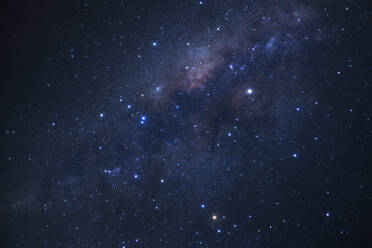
186, 124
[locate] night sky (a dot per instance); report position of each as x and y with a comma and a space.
213, 123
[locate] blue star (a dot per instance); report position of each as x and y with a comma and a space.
143, 119
135, 176
202, 206
327, 214
101, 115
298, 109
294, 155
154, 44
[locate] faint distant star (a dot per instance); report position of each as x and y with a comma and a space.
294, 155
129, 106
202, 206
154, 44
249, 91
135, 176
101, 115
327, 214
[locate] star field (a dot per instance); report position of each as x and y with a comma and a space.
186, 124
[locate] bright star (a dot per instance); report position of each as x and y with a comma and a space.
143, 119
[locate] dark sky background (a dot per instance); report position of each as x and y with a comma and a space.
186, 123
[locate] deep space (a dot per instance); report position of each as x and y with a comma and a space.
213, 123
